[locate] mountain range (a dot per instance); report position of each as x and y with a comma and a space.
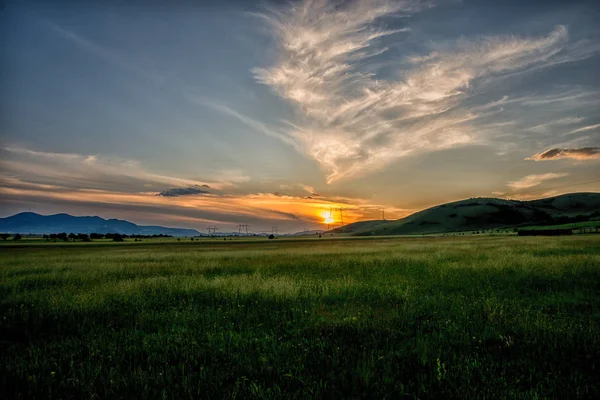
32, 223
484, 214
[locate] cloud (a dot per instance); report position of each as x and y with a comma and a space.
354, 122
545, 127
255, 125
586, 128
98, 171
175, 192
584, 153
574, 97
534, 180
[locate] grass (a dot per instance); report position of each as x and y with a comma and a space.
427, 318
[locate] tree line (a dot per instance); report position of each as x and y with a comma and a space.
84, 237
5, 236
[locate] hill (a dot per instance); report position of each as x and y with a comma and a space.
32, 223
485, 213
308, 232
360, 226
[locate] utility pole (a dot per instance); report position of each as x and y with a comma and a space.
383, 214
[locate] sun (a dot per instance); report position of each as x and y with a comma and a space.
328, 218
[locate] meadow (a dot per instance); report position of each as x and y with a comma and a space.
485, 317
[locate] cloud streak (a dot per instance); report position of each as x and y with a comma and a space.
584, 153
586, 128
354, 122
534, 180
93, 171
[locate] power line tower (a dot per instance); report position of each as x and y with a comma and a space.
212, 229
341, 211
383, 214
242, 227
274, 230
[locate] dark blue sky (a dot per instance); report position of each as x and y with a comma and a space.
364, 104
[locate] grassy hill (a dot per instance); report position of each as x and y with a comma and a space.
485, 213
360, 225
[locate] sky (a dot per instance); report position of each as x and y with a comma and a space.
282, 114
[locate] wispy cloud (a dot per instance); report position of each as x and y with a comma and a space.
353, 122
255, 125
573, 97
584, 153
586, 128
541, 128
534, 180
95, 171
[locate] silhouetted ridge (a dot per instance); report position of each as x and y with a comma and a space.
29, 223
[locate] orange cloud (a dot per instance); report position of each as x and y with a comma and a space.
534, 180
584, 153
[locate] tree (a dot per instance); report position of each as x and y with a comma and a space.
117, 237
17, 236
72, 236
4, 236
96, 236
63, 236
271, 236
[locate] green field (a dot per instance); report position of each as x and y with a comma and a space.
455, 317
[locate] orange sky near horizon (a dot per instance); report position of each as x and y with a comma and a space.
314, 213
